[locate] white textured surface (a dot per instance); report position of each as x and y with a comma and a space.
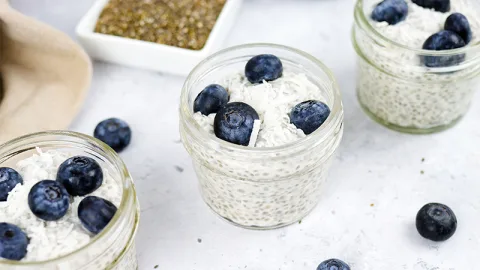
374, 165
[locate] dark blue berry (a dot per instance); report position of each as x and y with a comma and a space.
390, 11
9, 178
95, 213
13, 242
49, 200
459, 24
114, 132
333, 264
263, 67
234, 123
441, 41
437, 5
309, 115
436, 222
211, 99
80, 175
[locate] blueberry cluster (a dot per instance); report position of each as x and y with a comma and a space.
456, 34
50, 200
234, 121
434, 221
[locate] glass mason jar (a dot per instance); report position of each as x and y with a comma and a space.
261, 188
114, 246
397, 90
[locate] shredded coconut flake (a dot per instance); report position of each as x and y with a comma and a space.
254, 136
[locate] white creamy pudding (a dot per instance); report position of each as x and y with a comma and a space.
273, 102
277, 136
394, 84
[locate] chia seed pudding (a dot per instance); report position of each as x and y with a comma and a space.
395, 84
63, 218
275, 177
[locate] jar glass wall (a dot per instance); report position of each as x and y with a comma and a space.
398, 90
255, 187
113, 247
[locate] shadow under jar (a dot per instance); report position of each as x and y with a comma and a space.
254, 187
114, 247
397, 90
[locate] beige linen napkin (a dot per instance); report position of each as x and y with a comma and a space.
45, 76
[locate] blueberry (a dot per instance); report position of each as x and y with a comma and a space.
309, 115
437, 5
234, 123
211, 99
436, 222
390, 11
114, 132
459, 24
263, 67
9, 178
441, 41
48, 200
95, 213
80, 175
13, 242
333, 264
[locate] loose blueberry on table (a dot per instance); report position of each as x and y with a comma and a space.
95, 213
459, 24
80, 175
309, 115
437, 5
114, 132
333, 264
263, 67
211, 99
436, 222
443, 40
390, 11
9, 178
49, 200
13, 242
234, 123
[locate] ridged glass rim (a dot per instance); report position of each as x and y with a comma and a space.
117, 162
362, 19
336, 111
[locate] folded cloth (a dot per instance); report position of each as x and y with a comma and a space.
45, 76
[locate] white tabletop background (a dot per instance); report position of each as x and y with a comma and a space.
373, 166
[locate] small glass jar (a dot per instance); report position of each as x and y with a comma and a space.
397, 90
261, 188
114, 246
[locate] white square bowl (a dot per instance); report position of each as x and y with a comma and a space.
150, 55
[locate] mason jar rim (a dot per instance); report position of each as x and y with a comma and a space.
127, 193
363, 20
323, 131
